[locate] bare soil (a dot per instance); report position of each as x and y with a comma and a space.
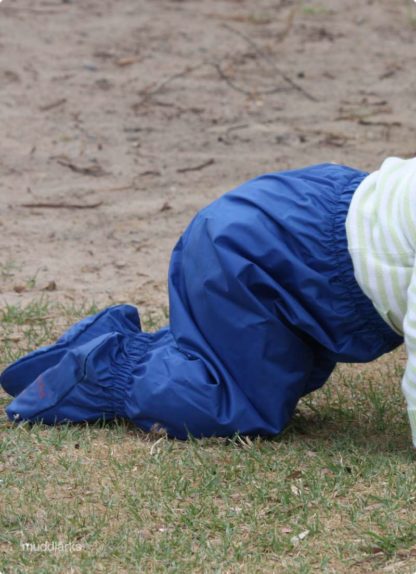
119, 119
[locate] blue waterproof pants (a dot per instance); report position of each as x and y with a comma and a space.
263, 303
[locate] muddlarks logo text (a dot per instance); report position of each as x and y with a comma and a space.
51, 546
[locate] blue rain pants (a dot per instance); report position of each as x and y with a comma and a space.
263, 304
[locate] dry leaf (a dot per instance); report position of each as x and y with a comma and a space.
51, 286
376, 550
125, 62
295, 474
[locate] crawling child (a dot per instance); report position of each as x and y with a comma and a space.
269, 287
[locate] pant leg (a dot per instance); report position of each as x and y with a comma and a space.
119, 318
225, 311
322, 369
228, 363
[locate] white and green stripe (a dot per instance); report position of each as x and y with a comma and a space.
381, 232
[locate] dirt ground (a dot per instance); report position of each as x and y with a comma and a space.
119, 119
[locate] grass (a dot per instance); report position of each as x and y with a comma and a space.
335, 493
411, 15
315, 10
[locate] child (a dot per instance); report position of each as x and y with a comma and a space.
266, 296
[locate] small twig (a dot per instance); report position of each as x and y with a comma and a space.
227, 134
62, 205
250, 93
52, 105
364, 122
236, 128
147, 93
289, 25
154, 445
227, 80
121, 188
332, 139
94, 169
282, 74
14, 10
154, 172
196, 167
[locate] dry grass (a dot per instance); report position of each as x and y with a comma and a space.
334, 494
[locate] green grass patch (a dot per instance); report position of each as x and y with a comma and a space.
315, 9
334, 493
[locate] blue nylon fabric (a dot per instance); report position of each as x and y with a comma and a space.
119, 318
263, 303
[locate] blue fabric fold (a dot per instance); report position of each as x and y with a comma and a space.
122, 318
263, 304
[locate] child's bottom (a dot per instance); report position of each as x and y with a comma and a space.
263, 303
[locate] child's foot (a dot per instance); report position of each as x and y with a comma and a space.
120, 318
88, 384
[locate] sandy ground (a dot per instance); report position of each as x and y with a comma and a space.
119, 119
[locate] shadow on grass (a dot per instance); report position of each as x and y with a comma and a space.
332, 430
338, 431
358, 408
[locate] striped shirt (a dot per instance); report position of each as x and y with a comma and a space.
381, 232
